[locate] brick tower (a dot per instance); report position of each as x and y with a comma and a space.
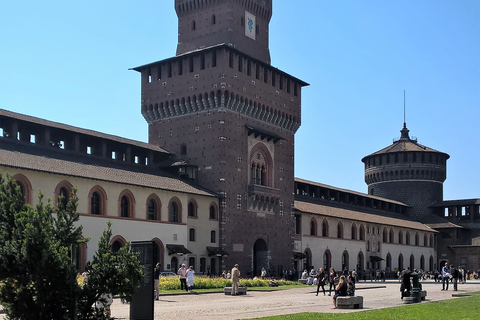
408, 172
220, 105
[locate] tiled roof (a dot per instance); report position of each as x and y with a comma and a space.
80, 170
358, 216
460, 202
97, 134
405, 144
444, 225
348, 191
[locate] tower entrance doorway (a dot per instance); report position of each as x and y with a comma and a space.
260, 257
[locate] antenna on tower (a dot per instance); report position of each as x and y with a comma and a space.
404, 118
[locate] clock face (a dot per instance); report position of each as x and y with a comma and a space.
250, 25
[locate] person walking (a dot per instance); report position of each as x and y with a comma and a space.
156, 279
235, 279
182, 275
321, 280
445, 276
331, 279
454, 272
190, 278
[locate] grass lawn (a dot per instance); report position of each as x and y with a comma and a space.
453, 309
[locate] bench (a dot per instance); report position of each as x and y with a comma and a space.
412, 299
241, 290
304, 281
423, 294
355, 302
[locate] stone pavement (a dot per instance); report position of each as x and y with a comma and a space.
216, 306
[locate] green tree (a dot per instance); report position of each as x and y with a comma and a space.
37, 272
39, 279
108, 274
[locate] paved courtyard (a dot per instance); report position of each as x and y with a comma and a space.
256, 304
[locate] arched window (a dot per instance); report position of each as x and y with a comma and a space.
191, 262
127, 204
412, 262
98, 199
388, 262
324, 228
407, 238
95, 203
63, 196
362, 232
354, 232
192, 209
368, 246
417, 240
345, 261
385, 235
63, 191
400, 262
213, 212
117, 243
327, 260
340, 230
124, 207
425, 240
313, 227
191, 234
174, 212
261, 166
153, 207
400, 237
213, 236
25, 187
392, 236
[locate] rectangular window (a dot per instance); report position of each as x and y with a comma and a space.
202, 61
240, 64
180, 67
214, 59
190, 64
230, 59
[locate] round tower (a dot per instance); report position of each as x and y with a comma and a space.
408, 172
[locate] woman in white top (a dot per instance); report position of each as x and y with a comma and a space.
190, 273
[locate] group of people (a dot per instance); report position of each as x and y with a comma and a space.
451, 274
342, 284
186, 277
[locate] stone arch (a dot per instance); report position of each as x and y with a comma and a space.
327, 260
117, 242
63, 188
345, 260
154, 208
261, 164
25, 186
97, 201
126, 204
175, 210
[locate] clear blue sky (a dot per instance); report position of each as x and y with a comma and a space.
68, 61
